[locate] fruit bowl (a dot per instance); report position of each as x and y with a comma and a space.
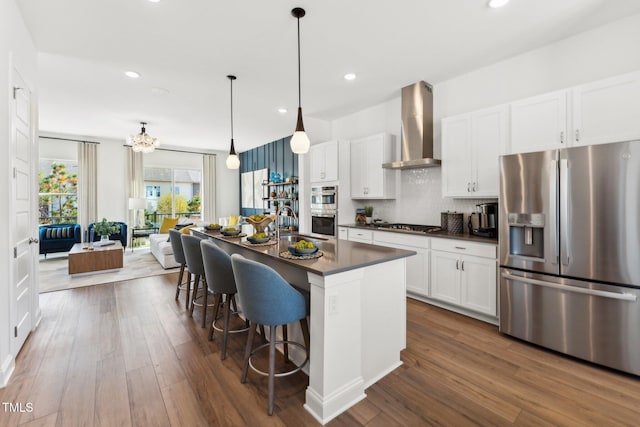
212, 227
298, 251
255, 240
259, 222
230, 231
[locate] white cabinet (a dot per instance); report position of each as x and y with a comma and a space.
539, 123
368, 179
471, 145
343, 233
323, 162
362, 236
606, 110
417, 266
464, 274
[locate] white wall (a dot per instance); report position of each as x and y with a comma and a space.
603, 52
15, 43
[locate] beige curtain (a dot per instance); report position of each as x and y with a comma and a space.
208, 195
135, 173
87, 183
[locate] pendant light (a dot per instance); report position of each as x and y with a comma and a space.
233, 161
143, 142
299, 141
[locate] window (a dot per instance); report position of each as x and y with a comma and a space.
171, 192
58, 191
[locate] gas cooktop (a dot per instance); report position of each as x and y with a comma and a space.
413, 228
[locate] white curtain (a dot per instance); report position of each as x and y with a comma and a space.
135, 174
87, 183
208, 195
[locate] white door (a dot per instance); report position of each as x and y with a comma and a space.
489, 135
316, 163
445, 277
478, 284
358, 172
22, 293
539, 123
456, 156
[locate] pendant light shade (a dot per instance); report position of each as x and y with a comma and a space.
233, 161
299, 141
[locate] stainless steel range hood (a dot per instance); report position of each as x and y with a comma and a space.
417, 128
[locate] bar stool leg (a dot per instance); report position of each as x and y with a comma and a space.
225, 334
196, 284
180, 277
205, 289
247, 352
263, 334
272, 368
304, 324
216, 304
188, 299
285, 338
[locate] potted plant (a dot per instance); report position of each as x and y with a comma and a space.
105, 228
368, 213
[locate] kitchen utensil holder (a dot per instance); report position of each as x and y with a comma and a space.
455, 223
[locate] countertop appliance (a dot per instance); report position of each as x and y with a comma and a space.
570, 238
324, 210
484, 222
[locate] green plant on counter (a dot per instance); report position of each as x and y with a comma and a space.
368, 211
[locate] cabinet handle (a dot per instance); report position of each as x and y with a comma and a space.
475, 187
577, 135
461, 248
322, 175
561, 137
468, 187
457, 264
462, 266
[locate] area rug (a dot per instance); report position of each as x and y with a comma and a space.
54, 275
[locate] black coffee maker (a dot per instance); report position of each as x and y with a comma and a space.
484, 222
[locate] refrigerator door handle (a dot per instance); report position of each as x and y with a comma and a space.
564, 212
613, 295
553, 210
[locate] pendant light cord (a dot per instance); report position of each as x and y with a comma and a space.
231, 80
299, 90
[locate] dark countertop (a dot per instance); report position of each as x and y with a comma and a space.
439, 234
339, 255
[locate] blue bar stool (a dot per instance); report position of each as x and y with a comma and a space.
193, 256
178, 254
222, 284
268, 300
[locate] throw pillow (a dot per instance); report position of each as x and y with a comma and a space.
185, 230
167, 224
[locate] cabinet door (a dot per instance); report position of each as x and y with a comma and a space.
358, 168
488, 141
417, 271
539, 123
456, 156
343, 233
478, 282
316, 163
375, 184
445, 277
330, 161
607, 110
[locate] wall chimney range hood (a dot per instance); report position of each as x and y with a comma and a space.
417, 128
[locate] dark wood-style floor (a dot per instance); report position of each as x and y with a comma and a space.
126, 354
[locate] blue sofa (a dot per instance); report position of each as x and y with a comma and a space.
58, 237
122, 235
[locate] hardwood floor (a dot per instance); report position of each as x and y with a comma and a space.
127, 354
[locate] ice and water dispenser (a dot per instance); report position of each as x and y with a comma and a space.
526, 235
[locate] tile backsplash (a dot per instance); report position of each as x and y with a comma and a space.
419, 200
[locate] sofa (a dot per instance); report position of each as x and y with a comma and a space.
162, 250
58, 237
122, 235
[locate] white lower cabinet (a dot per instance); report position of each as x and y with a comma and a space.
362, 236
417, 266
464, 274
343, 233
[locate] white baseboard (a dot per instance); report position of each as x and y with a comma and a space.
6, 369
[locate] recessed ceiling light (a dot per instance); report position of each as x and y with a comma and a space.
497, 3
282, 110
154, 1
132, 74
350, 76
159, 90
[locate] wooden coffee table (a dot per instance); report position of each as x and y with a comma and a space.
84, 260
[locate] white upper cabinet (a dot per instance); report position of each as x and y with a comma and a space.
324, 162
539, 123
607, 110
471, 145
368, 179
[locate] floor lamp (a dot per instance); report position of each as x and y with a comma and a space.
135, 204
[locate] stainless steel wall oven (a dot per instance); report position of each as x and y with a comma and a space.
324, 210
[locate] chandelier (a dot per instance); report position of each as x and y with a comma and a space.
143, 142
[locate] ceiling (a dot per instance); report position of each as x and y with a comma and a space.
184, 49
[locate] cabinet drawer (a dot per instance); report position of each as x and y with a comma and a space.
464, 247
401, 239
355, 233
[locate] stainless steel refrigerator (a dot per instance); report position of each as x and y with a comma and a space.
570, 251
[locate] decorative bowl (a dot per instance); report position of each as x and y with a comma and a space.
229, 232
259, 226
300, 252
255, 241
208, 228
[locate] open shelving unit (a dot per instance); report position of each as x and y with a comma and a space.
272, 203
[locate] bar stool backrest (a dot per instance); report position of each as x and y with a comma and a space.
192, 254
266, 298
176, 245
218, 269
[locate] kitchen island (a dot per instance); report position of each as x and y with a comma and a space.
357, 318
